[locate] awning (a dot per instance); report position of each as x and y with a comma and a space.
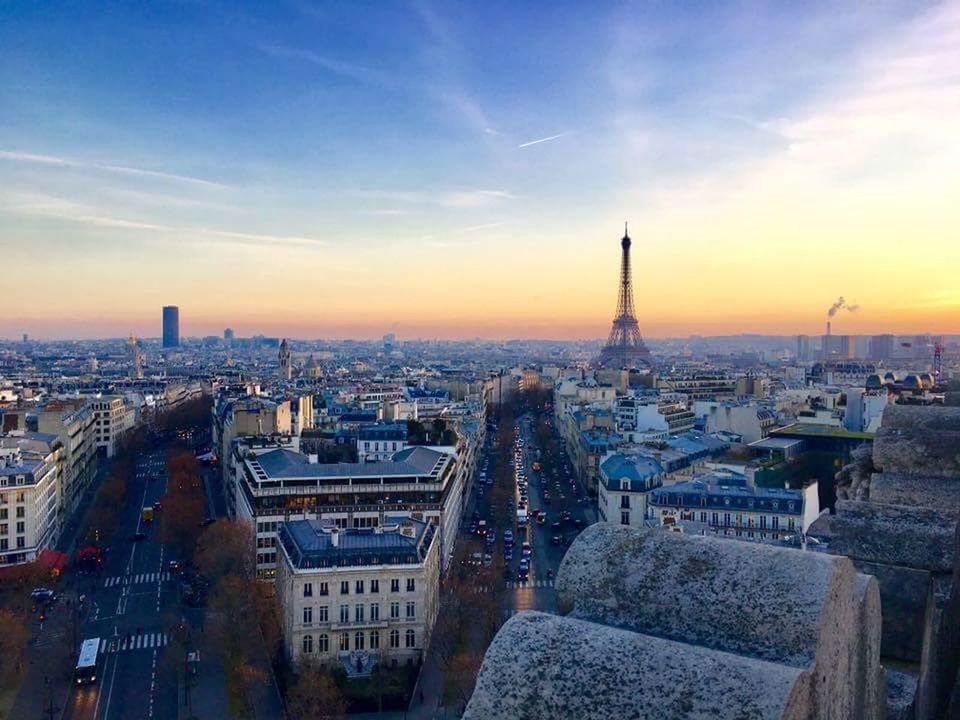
53, 561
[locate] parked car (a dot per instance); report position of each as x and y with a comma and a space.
43, 595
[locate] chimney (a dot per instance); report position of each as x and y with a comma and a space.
313, 458
828, 327
335, 537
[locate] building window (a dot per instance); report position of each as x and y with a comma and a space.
308, 589
411, 638
358, 642
411, 585
344, 613
775, 522
358, 587
625, 501
394, 610
763, 521
395, 585
324, 614
374, 639
374, 586
307, 615
726, 519
323, 643
345, 587
411, 610
790, 525
345, 641
20, 527
324, 589
308, 643
358, 612
703, 517
394, 638
374, 612
625, 517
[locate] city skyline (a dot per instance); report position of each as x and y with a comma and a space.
454, 171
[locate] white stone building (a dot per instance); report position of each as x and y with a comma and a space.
358, 596
30, 486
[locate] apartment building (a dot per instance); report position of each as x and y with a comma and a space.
274, 483
356, 596
30, 485
73, 421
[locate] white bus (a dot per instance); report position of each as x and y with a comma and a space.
86, 671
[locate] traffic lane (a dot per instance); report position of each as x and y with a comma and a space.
130, 685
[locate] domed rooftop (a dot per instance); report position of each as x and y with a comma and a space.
874, 382
891, 376
912, 382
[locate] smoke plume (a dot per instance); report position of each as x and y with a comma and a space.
841, 304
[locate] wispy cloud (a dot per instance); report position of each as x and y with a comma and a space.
477, 228
545, 139
70, 211
352, 71
443, 198
55, 161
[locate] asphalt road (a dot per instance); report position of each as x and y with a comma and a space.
132, 606
537, 592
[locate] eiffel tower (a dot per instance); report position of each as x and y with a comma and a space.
625, 347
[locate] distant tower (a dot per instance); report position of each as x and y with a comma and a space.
171, 326
136, 357
286, 362
937, 360
228, 337
625, 347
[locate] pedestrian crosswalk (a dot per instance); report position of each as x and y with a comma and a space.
143, 641
136, 579
529, 584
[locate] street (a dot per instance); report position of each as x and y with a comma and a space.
131, 605
554, 495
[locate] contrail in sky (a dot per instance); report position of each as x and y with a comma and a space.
543, 140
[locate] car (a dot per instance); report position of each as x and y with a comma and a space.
138, 536
508, 554
555, 526
579, 523
208, 521
508, 536
523, 574
541, 519
556, 540
525, 550
175, 566
487, 560
43, 595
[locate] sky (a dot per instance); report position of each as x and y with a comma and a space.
456, 170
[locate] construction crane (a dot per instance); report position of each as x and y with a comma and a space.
937, 359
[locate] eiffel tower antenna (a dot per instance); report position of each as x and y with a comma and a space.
625, 347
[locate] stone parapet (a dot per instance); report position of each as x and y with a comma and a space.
545, 666
941, 493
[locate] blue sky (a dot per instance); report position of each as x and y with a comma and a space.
321, 147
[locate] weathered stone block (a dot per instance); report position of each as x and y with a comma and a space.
901, 689
890, 534
917, 451
930, 418
940, 493
903, 601
544, 666
808, 610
